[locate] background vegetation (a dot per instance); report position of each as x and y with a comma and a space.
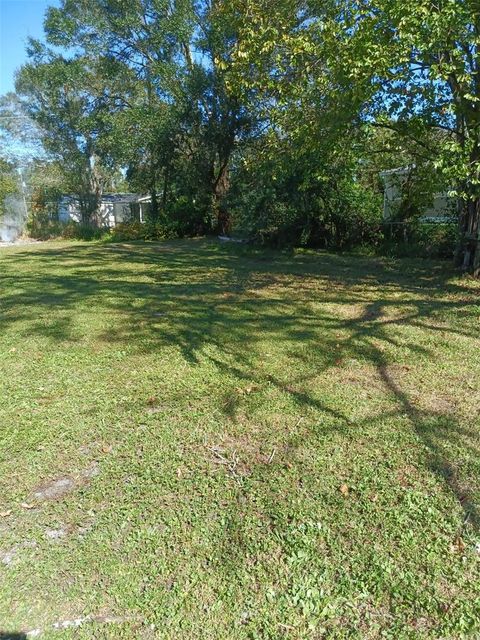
274, 125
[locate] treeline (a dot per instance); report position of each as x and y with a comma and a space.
271, 118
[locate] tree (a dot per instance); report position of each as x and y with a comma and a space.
407, 66
65, 98
423, 61
176, 56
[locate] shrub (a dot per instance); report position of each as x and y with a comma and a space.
78, 231
294, 211
418, 239
128, 231
45, 229
187, 216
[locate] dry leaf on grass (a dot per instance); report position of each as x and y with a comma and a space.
250, 389
344, 490
458, 546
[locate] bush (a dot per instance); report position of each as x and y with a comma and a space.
294, 211
47, 229
78, 231
417, 239
128, 231
187, 217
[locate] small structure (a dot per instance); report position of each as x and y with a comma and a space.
113, 209
441, 207
142, 208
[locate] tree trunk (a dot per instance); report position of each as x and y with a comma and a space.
166, 179
459, 246
473, 236
91, 211
467, 254
220, 189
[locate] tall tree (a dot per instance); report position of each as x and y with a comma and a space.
408, 66
423, 59
178, 53
65, 97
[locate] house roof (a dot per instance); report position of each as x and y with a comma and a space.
108, 197
398, 170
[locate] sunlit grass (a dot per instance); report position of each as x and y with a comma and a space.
223, 442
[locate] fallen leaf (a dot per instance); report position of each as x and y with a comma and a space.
249, 389
152, 400
344, 490
26, 505
5, 514
12, 350
107, 448
458, 546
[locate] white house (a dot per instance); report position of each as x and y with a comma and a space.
441, 209
114, 208
144, 203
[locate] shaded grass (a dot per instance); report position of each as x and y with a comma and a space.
206, 405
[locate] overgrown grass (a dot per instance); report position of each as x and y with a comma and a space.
204, 441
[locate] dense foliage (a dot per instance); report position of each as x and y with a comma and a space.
274, 124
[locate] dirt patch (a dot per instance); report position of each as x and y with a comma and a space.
54, 490
240, 454
56, 534
59, 488
9, 556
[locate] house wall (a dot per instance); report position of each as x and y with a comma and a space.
111, 212
442, 208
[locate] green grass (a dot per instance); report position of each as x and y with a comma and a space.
252, 445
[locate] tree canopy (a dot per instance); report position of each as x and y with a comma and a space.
226, 111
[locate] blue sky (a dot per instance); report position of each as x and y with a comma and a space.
19, 19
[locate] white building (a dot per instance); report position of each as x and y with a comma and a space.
441, 209
114, 208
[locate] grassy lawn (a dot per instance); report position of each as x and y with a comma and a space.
204, 441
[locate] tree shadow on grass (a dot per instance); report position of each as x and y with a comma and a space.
221, 304
440, 432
